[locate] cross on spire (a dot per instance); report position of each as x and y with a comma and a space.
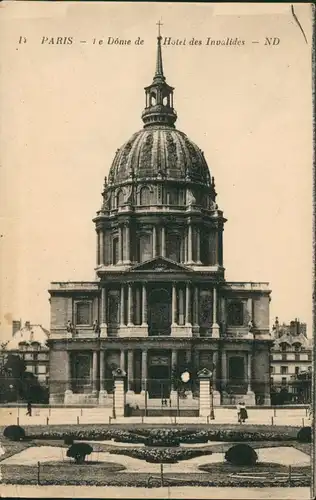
159, 24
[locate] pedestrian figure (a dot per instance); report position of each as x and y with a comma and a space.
29, 408
243, 414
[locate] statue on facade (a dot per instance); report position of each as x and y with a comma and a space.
70, 327
250, 325
191, 200
96, 326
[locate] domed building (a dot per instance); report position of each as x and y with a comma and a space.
160, 303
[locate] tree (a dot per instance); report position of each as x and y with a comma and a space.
79, 451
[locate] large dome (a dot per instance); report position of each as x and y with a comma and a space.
159, 151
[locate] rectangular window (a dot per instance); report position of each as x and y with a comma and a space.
83, 313
284, 370
236, 314
297, 370
283, 381
115, 250
272, 369
283, 356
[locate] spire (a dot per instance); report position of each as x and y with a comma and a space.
159, 95
159, 67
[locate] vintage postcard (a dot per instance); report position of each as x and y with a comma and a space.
156, 315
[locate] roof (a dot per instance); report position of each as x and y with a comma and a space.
29, 335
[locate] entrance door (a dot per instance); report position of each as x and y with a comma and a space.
159, 376
236, 372
159, 312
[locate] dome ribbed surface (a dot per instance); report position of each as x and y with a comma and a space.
159, 152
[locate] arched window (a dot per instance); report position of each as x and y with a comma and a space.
120, 198
83, 313
144, 247
165, 101
152, 100
144, 196
173, 247
236, 313
283, 346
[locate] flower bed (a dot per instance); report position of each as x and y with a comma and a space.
160, 455
187, 434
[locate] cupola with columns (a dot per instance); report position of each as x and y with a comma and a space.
159, 198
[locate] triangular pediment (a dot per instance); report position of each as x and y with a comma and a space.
160, 264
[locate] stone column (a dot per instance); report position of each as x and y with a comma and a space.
102, 364
98, 248
174, 360
103, 307
190, 243
174, 304
216, 247
196, 306
102, 393
94, 372
154, 242
198, 246
224, 370
187, 305
144, 370
122, 313
215, 326
138, 305
163, 242
101, 248
249, 371
128, 244
120, 244
216, 395
144, 305
68, 373
130, 370
122, 359
130, 305
181, 306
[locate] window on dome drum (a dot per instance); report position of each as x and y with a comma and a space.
83, 313
115, 251
165, 101
144, 196
173, 247
173, 197
120, 198
144, 247
236, 313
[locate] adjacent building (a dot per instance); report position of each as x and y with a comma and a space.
30, 343
160, 298
291, 355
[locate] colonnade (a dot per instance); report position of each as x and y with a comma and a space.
129, 369
191, 241
185, 304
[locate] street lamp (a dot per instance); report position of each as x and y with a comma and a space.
212, 416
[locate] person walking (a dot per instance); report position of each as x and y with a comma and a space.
243, 413
29, 408
238, 411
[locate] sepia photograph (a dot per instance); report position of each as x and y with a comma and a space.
156, 250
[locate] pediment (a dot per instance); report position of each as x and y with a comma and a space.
160, 264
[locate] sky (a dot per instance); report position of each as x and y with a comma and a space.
66, 109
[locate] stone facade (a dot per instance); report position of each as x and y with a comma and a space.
160, 299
